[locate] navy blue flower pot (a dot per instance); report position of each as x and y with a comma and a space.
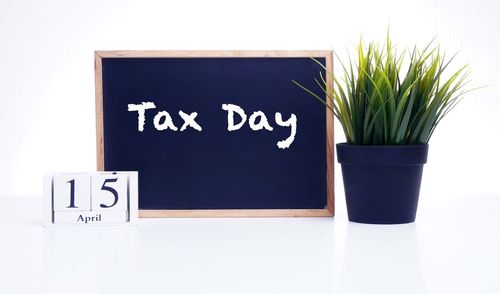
382, 183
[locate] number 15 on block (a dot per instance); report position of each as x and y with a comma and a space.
91, 198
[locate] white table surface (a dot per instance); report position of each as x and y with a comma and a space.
450, 249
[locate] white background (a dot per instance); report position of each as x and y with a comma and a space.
47, 115
47, 123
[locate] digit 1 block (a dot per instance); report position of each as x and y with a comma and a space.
109, 192
71, 192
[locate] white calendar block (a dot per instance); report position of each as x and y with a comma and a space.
71, 192
106, 189
91, 198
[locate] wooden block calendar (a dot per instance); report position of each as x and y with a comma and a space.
91, 198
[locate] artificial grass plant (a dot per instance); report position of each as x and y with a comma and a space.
379, 103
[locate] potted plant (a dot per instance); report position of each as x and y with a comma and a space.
388, 116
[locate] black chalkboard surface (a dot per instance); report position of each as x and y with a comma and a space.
217, 133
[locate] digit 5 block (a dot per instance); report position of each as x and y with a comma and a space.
109, 192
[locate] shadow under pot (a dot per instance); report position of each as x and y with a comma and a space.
382, 183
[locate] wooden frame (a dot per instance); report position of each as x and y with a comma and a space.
328, 55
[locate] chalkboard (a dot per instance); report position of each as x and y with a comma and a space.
217, 133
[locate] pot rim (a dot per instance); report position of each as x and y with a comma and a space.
382, 146
382, 155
